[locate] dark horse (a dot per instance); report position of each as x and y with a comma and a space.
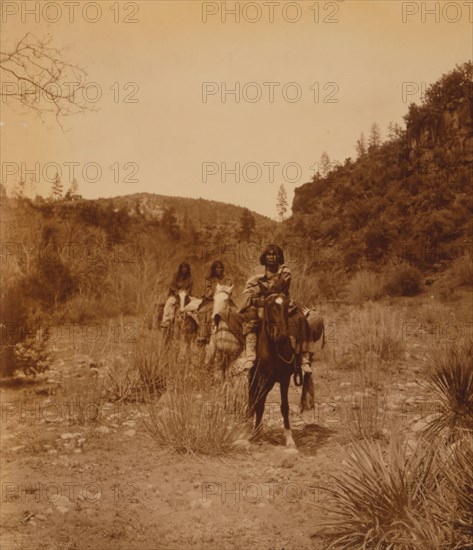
275, 363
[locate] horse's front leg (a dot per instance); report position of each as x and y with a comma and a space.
259, 390
284, 388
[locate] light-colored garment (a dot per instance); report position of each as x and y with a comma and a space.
169, 308
211, 284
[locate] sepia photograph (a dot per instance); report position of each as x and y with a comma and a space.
236, 277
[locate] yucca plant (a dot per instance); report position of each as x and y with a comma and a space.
150, 362
451, 380
196, 415
456, 465
122, 382
364, 417
374, 496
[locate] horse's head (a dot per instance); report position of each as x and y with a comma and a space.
275, 316
183, 299
221, 298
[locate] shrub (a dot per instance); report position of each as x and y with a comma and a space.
195, 415
374, 496
462, 271
406, 282
364, 286
32, 355
451, 380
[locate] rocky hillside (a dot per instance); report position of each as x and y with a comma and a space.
409, 198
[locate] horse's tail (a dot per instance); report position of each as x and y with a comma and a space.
323, 335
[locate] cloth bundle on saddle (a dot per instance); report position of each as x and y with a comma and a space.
236, 325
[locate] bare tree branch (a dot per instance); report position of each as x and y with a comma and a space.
36, 76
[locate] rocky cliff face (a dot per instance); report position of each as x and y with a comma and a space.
451, 130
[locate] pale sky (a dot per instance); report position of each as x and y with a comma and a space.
361, 60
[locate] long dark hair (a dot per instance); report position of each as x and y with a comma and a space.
272, 248
213, 268
180, 276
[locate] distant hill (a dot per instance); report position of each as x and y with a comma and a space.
407, 199
153, 206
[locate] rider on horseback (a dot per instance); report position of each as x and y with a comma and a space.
216, 276
276, 278
182, 280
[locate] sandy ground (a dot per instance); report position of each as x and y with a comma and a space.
107, 484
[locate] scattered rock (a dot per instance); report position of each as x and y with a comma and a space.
61, 501
17, 448
62, 509
129, 423
291, 451
345, 384
67, 436
102, 430
130, 433
288, 463
40, 517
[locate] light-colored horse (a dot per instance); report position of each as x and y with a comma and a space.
224, 347
185, 319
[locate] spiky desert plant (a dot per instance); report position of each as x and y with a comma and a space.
122, 381
364, 416
196, 415
451, 380
374, 495
456, 465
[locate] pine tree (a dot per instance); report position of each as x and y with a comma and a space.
73, 191
324, 164
394, 131
57, 188
361, 146
281, 202
374, 139
247, 224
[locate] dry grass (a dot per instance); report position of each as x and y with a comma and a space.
462, 270
451, 380
84, 399
196, 414
365, 286
370, 336
364, 415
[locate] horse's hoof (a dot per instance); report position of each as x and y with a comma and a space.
255, 436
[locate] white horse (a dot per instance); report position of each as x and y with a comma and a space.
181, 315
224, 346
